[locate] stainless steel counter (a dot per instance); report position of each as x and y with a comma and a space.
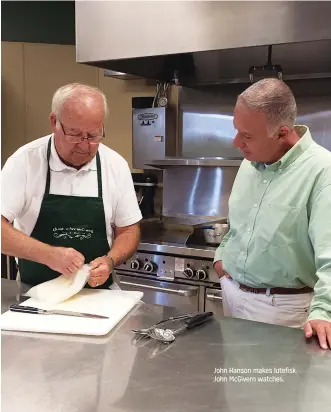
197, 373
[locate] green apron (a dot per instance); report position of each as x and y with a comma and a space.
68, 221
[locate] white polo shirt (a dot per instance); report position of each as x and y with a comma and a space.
23, 181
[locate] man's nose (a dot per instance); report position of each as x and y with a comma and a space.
84, 145
237, 141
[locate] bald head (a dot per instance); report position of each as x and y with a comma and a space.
273, 98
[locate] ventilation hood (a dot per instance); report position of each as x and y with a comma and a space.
195, 43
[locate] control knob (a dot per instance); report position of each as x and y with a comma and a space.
189, 273
201, 274
149, 267
136, 264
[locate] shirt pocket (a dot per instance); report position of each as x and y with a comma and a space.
278, 225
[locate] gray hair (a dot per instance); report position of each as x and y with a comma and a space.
275, 99
75, 92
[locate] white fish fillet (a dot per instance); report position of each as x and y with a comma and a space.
62, 288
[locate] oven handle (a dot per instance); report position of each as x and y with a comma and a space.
188, 292
213, 296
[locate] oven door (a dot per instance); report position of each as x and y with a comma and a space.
178, 295
213, 302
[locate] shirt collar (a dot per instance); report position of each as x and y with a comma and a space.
56, 164
296, 151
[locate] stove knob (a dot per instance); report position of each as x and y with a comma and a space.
136, 264
149, 267
189, 273
201, 274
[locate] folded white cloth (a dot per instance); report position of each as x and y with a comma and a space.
62, 288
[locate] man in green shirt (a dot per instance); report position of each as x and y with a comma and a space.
275, 261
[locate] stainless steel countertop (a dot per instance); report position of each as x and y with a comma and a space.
57, 373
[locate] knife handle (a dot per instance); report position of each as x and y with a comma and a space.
25, 309
198, 319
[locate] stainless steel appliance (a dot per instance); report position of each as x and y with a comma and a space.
173, 269
153, 135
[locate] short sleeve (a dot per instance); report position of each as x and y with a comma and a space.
127, 209
13, 185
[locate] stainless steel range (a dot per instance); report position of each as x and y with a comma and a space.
174, 273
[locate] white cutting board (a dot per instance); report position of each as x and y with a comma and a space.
112, 303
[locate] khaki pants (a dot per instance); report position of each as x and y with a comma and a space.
285, 310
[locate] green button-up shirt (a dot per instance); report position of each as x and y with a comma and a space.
280, 224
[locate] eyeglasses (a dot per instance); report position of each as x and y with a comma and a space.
79, 137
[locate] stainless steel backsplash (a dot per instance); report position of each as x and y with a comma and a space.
197, 191
207, 116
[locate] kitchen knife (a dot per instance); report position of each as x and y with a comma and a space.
37, 311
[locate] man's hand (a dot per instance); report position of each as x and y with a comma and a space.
64, 260
219, 269
101, 268
322, 329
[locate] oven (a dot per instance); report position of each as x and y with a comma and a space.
159, 292
213, 302
179, 277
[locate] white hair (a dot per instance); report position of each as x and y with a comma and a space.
74, 92
274, 98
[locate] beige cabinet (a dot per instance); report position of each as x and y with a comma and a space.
46, 68
12, 99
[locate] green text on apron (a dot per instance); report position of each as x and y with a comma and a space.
68, 221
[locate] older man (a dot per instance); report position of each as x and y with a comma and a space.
70, 198
275, 261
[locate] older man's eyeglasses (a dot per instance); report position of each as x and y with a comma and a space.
79, 137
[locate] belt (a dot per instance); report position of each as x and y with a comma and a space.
276, 291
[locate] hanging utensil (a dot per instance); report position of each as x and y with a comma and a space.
168, 335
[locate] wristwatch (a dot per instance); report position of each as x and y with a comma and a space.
113, 272
111, 260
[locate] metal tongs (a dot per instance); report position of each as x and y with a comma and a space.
168, 335
145, 331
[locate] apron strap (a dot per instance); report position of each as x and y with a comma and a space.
99, 175
48, 178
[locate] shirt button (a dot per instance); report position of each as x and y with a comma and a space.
265, 181
280, 170
255, 205
249, 229
242, 253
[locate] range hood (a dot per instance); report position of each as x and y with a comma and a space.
196, 43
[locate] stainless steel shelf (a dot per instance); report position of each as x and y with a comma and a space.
197, 162
206, 252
